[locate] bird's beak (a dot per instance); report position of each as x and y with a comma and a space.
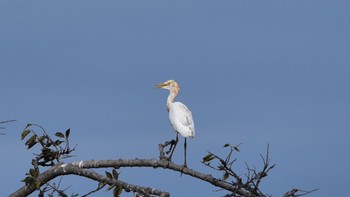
160, 85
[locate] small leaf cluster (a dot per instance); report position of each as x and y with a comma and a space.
117, 189
31, 179
51, 151
248, 186
224, 165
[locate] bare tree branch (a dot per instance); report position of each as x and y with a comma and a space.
298, 192
81, 168
3, 122
99, 187
77, 168
53, 150
6, 121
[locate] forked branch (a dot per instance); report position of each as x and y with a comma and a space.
53, 151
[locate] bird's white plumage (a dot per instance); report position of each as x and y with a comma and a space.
179, 115
181, 119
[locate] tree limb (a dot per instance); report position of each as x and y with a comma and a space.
81, 169
61, 169
49, 156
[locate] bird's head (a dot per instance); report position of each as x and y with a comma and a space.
170, 85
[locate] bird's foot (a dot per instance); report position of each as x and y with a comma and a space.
172, 143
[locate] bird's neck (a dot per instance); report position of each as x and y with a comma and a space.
170, 99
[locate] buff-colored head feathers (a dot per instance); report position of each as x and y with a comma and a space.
170, 85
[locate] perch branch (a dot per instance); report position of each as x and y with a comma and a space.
76, 168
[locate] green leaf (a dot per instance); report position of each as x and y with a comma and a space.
209, 157
109, 175
42, 138
115, 174
33, 172
226, 175
59, 134
31, 142
30, 145
236, 148
67, 133
226, 145
117, 191
25, 133
46, 151
37, 185
28, 180
48, 157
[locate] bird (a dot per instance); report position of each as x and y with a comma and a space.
179, 115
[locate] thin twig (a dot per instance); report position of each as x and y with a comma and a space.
99, 187
6, 121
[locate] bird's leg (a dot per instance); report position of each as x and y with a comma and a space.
185, 163
162, 146
172, 143
185, 146
167, 143
173, 146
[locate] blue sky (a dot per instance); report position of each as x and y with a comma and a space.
252, 72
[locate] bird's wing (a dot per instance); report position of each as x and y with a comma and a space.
181, 119
187, 118
181, 113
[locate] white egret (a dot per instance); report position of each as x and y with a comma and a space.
179, 115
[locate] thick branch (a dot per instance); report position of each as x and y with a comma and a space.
71, 169
158, 164
80, 168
